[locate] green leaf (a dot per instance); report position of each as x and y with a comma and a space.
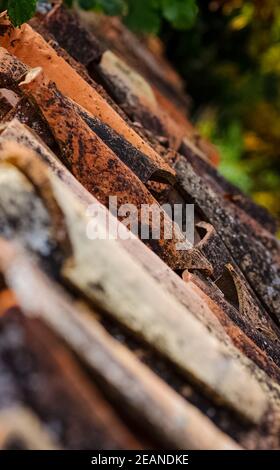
180, 13
144, 15
21, 11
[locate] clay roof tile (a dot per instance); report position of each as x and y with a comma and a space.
132, 346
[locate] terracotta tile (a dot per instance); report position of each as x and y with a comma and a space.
31, 48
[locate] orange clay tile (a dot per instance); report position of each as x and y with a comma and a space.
33, 50
96, 166
130, 89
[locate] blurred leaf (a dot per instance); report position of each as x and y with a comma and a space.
244, 17
270, 60
180, 13
21, 11
253, 143
237, 175
143, 15
270, 200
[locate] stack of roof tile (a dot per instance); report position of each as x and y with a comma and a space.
117, 344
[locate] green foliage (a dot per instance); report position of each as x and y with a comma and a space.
147, 15
230, 142
230, 60
144, 16
180, 13
19, 10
